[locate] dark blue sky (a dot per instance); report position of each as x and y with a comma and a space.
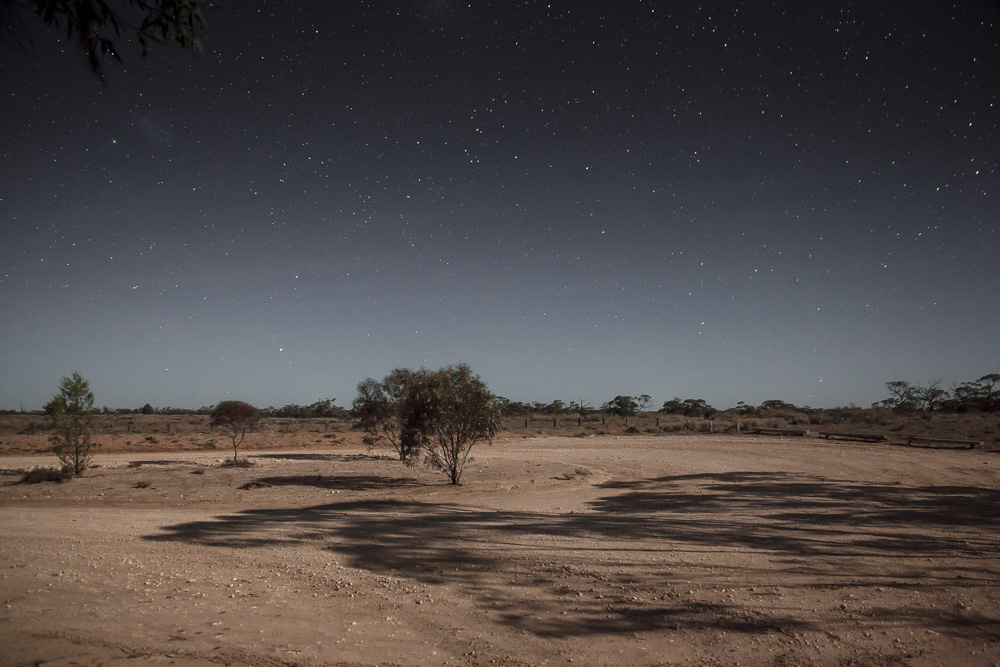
729, 201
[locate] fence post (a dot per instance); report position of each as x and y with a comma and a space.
525, 422
657, 422
553, 422
130, 427
711, 427
579, 421
168, 427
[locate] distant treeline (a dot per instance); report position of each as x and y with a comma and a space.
325, 409
982, 395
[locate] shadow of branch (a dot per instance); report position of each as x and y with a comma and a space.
835, 526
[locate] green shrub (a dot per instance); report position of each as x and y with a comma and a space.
72, 416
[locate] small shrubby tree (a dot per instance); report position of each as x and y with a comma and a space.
931, 397
71, 411
623, 406
462, 412
906, 398
395, 410
902, 397
442, 413
692, 407
983, 395
237, 418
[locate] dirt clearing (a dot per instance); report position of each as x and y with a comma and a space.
601, 550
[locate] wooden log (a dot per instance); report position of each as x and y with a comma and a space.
971, 444
780, 431
866, 437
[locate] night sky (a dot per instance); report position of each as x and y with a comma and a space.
734, 201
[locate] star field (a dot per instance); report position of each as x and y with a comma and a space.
734, 201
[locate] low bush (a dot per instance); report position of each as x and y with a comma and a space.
238, 463
38, 475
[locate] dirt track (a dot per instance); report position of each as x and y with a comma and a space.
642, 550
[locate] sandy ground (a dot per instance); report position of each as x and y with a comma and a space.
642, 551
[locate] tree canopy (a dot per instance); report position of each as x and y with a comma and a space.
96, 24
395, 410
71, 411
462, 413
623, 406
442, 413
237, 418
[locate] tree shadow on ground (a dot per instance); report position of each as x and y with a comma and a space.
804, 515
816, 526
341, 482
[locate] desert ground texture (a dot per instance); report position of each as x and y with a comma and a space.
627, 550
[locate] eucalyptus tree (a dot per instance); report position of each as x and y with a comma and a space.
237, 419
